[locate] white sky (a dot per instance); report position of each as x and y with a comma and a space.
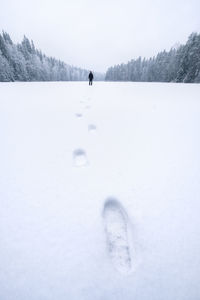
98, 34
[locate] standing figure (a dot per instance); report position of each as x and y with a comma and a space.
90, 77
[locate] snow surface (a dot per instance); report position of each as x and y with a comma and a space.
99, 191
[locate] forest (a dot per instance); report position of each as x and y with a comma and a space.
180, 64
23, 62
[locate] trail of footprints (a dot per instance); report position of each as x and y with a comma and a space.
118, 235
79, 155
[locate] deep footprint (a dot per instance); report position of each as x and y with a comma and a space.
78, 115
116, 228
80, 158
91, 128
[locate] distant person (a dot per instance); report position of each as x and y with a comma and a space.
90, 77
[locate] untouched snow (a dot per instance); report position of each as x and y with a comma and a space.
99, 191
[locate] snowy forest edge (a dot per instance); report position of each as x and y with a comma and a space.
23, 62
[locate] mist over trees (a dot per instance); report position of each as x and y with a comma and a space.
23, 62
177, 65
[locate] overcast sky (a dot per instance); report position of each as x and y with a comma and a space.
100, 33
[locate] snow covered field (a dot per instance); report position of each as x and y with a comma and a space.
99, 191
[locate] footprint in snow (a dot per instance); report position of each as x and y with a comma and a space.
80, 158
92, 128
78, 115
117, 235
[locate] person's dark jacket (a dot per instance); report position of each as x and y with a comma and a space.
90, 76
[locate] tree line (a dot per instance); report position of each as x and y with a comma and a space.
181, 64
23, 62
